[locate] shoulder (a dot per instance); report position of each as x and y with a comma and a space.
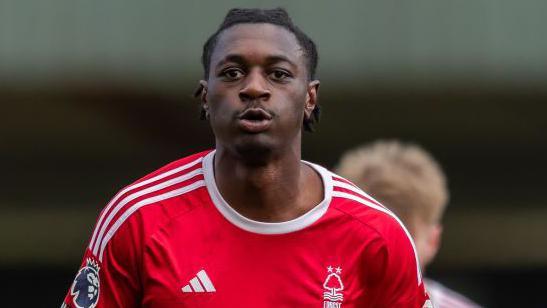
392, 258
140, 207
364, 209
392, 237
188, 163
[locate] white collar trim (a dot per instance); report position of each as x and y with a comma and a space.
254, 226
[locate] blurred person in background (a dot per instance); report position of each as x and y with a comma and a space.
249, 224
407, 180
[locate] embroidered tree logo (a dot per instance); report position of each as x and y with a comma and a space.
333, 283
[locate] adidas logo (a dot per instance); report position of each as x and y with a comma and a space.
200, 283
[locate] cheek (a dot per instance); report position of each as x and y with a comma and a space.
294, 106
221, 104
220, 118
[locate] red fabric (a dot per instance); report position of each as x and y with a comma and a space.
162, 246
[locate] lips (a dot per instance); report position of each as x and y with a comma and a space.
254, 120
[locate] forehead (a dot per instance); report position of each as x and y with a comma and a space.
257, 40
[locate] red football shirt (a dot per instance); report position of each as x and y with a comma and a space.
170, 240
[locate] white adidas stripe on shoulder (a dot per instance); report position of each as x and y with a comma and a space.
140, 193
138, 205
134, 186
114, 200
362, 198
355, 189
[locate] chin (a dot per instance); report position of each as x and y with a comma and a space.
254, 151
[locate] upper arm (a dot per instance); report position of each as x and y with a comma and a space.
400, 284
110, 278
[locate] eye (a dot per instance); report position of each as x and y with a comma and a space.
231, 74
280, 75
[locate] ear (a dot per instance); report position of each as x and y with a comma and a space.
311, 98
202, 91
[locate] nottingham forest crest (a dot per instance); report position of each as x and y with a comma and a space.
332, 295
85, 288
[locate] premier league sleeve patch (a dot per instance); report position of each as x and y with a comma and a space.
85, 288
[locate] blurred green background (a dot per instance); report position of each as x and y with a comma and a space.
95, 94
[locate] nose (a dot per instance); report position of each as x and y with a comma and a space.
254, 88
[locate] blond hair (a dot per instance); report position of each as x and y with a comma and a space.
404, 177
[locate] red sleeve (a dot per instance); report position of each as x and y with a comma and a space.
110, 280
400, 283
110, 273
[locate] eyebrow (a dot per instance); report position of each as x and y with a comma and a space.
269, 60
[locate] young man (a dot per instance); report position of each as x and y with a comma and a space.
249, 224
409, 181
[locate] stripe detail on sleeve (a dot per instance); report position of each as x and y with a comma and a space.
116, 200
128, 212
363, 198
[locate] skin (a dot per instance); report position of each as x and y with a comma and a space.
428, 241
259, 70
426, 236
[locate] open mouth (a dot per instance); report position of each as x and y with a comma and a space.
254, 120
255, 114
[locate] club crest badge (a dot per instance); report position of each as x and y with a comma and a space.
85, 288
332, 295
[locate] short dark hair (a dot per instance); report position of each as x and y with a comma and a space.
279, 17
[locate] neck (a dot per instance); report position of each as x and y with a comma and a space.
278, 189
